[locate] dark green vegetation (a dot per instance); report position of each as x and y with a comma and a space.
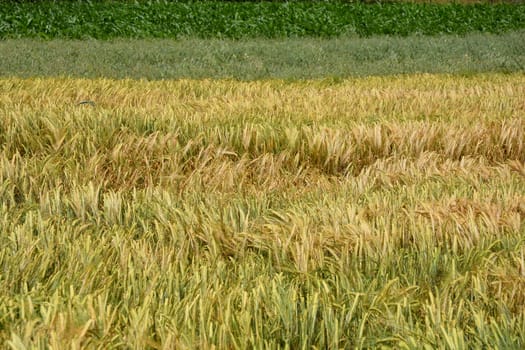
299, 58
209, 19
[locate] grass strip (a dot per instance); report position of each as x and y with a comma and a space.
302, 58
378, 212
218, 19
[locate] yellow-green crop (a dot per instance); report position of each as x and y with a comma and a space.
318, 214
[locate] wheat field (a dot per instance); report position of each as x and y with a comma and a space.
381, 212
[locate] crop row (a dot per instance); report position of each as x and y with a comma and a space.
207, 19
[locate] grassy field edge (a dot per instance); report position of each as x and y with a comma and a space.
299, 58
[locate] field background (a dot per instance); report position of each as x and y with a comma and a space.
263, 175
268, 19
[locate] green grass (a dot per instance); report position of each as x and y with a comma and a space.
380, 212
301, 58
217, 19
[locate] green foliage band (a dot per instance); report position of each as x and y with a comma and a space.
206, 19
297, 58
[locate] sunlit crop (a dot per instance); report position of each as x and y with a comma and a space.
317, 214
